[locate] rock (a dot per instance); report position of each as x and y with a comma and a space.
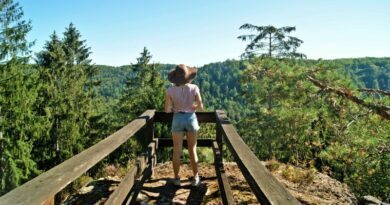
85, 190
370, 200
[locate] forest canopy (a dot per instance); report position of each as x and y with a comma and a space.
331, 115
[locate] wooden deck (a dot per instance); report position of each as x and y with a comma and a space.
42, 189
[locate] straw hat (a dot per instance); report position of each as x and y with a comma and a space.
182, 74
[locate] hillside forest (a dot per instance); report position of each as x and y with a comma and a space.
328, 115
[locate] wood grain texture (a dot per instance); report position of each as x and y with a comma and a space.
223, 182
266, 187
123, 189
46, 185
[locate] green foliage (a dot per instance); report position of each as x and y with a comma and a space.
293, 121
19, 124
371, 73
55, 109
64, 98
220, 88
144, 90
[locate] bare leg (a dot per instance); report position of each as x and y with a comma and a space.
192, 141
177, 149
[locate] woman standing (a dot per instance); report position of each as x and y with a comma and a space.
184, 98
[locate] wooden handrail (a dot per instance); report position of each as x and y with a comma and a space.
266, 187
46, 185
203, 117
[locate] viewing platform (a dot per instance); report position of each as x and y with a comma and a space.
266, 188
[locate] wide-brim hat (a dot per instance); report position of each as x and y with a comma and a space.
182, 74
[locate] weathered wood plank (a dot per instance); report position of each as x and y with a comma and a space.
121, 192
203, 117
223, 182
150, 129
137, 188
49, 201
51, 182
165, 142
266, 188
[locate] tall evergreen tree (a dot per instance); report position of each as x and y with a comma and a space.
144, 88
270, 41
63, 97
76, 50
19, 125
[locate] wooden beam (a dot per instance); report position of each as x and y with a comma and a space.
223, 182
267, 188
121, 192
203, 117
166, 142
51, 182
137, 188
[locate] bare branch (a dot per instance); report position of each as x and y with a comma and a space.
381, 110
377, 91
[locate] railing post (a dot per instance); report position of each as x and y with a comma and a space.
150, 129
150, 135
219, 134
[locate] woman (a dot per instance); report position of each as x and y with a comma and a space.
184, 98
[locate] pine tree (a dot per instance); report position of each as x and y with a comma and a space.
144, 88
19, 125
271, 42
64, 99
52, 69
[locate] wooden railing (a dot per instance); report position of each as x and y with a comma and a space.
42, 189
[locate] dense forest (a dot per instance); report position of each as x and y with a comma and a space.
331, 115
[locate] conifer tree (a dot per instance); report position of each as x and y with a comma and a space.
270, 41
19, 126
63, 97
144, 89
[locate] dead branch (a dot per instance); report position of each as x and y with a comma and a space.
381, 110
382, 92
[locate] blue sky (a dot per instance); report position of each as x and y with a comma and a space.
204, 31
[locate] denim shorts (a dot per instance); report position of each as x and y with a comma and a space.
184, 122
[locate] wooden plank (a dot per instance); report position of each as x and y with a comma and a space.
137, 188
152, 154
267, 188
152, 148
49, 201
127, 183
218, 137
150, 129
123, 189
166, 142
51, 182
203, 117
223, 182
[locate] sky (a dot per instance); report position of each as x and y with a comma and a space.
203, 31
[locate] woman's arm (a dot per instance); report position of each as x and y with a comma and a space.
168, 103
198, 102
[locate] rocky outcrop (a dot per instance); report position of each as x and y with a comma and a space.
308, 186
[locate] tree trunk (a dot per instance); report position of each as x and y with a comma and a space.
270, 46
